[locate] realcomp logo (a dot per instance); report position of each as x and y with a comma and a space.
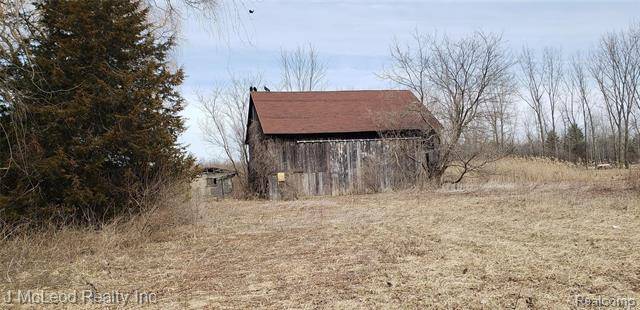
605, 302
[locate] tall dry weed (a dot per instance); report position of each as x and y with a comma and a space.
633, 180
542, 170
25, 249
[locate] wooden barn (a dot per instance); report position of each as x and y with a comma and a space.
338, 142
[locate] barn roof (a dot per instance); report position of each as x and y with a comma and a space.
340, 111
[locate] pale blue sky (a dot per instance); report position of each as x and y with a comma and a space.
353, 37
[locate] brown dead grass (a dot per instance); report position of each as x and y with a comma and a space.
543, 170
531, 235
633, 180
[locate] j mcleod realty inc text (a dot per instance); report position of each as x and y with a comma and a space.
37, 297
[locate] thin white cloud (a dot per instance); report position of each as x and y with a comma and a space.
354, 35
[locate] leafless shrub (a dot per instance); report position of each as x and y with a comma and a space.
371, 179
471, 160
412, 159
263, 165
163, 201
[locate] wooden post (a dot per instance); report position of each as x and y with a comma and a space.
222, 187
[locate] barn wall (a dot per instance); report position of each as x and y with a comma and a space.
339, 167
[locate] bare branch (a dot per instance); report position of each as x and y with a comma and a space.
457, 80
302, 69
224, 124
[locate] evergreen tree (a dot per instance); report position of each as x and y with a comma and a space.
102, 115
551, 144
575, 143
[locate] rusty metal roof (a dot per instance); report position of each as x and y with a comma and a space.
340, 111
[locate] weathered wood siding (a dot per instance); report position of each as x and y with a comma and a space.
222, 188
339, 167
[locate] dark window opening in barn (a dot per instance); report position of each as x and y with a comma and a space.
211, 182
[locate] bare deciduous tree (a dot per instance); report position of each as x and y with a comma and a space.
616, 69
302, 69
579, 82
460, 76
226, 17
409, 66
570, 103
500, 114
552, 84
17, 25
224, 122
532, 77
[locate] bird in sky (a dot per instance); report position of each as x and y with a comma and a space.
251, 11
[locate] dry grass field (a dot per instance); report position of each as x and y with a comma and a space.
526, 234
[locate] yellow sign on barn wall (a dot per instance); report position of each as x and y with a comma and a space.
281, 177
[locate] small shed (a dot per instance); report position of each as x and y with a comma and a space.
215, 182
